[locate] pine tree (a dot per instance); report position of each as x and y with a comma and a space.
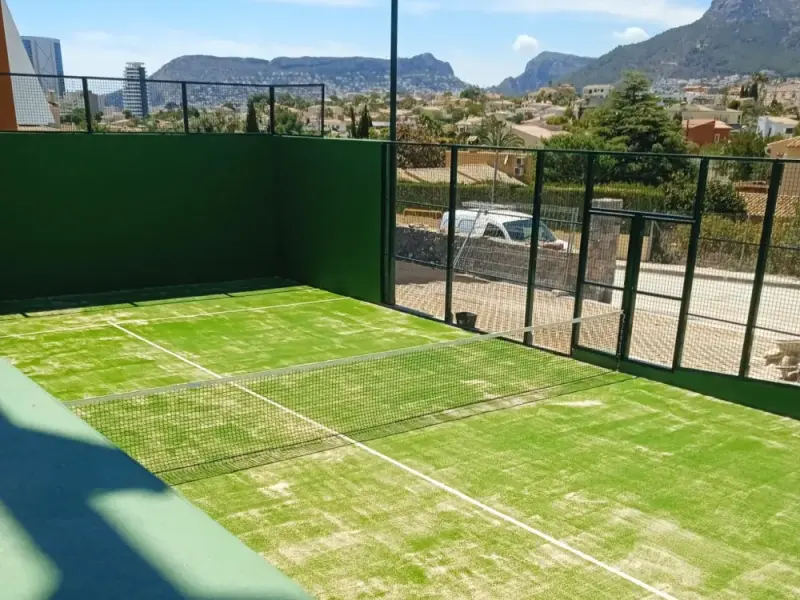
364, 125
251, 126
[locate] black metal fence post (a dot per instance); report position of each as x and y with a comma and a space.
451, 235
391, 180
533, 256
583, 257
87, 105
691, 263
185, 106
272, 110
776, 178
633, 268
322, 114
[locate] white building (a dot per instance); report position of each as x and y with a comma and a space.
45, 56
597, 90
30, 102
134, 90
768, 126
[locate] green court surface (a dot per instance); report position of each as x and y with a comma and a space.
550, 479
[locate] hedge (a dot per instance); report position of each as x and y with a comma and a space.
436, 195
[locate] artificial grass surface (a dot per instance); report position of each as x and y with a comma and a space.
696, 497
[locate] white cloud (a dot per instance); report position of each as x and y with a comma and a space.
631, 35
526, 43
104, 54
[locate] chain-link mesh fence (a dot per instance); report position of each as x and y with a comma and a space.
138, 105
642, 208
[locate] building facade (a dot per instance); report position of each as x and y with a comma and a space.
769, 126
45, 56
134, 90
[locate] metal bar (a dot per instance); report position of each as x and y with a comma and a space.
392, 182
603, 286
533, 257
185, 106
634, 260
657, 295
87, 105
691, 264
451, 236
393, 58
272, 110
583, 257
322, 116
386, 254
761, 266
627, 214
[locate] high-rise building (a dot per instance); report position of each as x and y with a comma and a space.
134, 90
45, 56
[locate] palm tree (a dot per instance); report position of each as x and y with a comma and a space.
497, 133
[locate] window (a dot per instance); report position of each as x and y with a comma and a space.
789, 130
465, 225
716, 137
494, 231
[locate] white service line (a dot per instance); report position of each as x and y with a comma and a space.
172, 318
438, 484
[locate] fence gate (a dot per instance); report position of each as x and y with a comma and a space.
653, 297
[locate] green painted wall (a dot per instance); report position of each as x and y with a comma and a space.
329, 196
94, 213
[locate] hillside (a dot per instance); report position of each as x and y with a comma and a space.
423, 73
545, 68
733, 36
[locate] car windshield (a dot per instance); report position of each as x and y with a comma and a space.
520, 231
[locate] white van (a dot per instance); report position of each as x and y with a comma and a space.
509, 226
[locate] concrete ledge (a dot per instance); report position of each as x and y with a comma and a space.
79, 519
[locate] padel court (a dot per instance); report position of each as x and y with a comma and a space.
369, 453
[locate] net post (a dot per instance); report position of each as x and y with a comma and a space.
87, 105
451, 234
185, 106
776, 178
533, 255
272, 110
691, 263
583, 257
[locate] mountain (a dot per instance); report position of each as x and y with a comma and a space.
732, 37
423, 73
546, 67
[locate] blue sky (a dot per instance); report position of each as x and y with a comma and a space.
484, 40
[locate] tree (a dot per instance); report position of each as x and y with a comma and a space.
251, 125
98, 116
407, 103
633, 120
410, 156
758, 81
171, 106
735, 104
497, 133
287, 122
127, 114
721, 198
472, 93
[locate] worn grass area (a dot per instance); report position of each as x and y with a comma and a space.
698, 498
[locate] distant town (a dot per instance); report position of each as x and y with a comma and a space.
709, 113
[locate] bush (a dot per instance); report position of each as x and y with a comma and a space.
721, 198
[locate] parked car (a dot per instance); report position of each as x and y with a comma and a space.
509, 226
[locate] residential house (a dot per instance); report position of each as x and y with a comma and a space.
690, 112
787, 93
534, 134
499, 105
769, 126
469, 126
691, 92
788, 148
601, 91
517, 165
755, 195
705, 132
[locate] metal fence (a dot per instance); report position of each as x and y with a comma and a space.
46, 103
702, 254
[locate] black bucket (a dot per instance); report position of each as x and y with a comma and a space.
466, 320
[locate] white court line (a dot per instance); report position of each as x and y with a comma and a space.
437, 484
172, 318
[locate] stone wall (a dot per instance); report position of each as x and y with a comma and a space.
500, 260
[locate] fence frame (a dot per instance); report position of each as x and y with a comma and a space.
639, 220
184, 106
